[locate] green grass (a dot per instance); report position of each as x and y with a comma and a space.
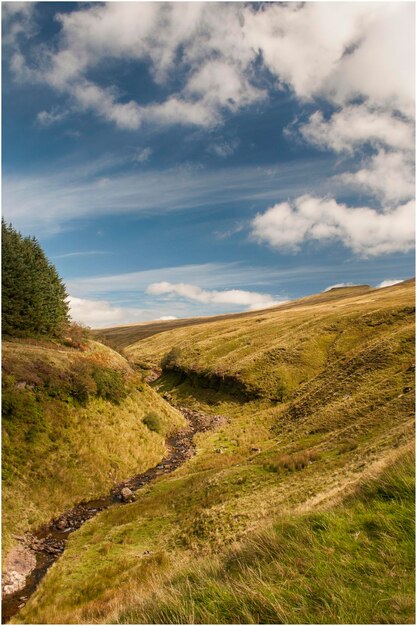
61, 446
262, 524
351, 564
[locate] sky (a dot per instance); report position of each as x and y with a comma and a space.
186, 159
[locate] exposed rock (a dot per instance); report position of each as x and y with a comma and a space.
255, 449
126, 494
17, 566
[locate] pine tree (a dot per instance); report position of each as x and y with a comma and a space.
33, 295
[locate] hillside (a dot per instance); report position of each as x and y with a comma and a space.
72, 427
120, 337
297, 508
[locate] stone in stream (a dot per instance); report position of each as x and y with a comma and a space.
62, 524
127, 495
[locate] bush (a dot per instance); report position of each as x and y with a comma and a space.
77, 335
292, 462
153, 422
110, 384
82, 383
280, 392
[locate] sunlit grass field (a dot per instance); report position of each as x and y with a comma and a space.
298, 509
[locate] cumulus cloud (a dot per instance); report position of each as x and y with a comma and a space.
167, 318
364, 230
18, 22
353, 126
101, 313
250, 299
356, 56
387, 175
332, 50
388, 283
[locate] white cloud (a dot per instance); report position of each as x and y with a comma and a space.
336, 50
338, 286
357, 56
18, 22
339, 50
355, 125
49, 118
387, 175
167, 318
364, 230
250, 299
388, 283
101, 313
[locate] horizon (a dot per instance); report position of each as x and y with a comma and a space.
384, 285
201, 164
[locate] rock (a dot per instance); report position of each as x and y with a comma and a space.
255, 449
13, 581
126, 494
219, 451
61, 524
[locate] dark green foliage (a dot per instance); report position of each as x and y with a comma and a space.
153, 422
33, 295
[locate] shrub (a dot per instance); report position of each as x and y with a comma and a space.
292, 462
281, 391
77, 335
153, 422
110, 384
82, 383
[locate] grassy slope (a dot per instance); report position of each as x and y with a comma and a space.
56, 451
348, 413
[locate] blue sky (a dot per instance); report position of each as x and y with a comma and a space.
193, 159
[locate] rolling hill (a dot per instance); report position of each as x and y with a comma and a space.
298, 507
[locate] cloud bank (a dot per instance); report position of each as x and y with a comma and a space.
250, 299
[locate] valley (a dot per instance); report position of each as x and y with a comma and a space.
297, 505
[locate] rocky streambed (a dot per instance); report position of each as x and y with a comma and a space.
30, 560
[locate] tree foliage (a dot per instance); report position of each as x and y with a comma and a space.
33, 295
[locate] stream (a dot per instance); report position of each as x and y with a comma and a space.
48, 542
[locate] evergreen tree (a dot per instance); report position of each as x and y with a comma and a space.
33, 295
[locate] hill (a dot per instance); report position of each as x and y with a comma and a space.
120, 337
297, 508
72, 427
